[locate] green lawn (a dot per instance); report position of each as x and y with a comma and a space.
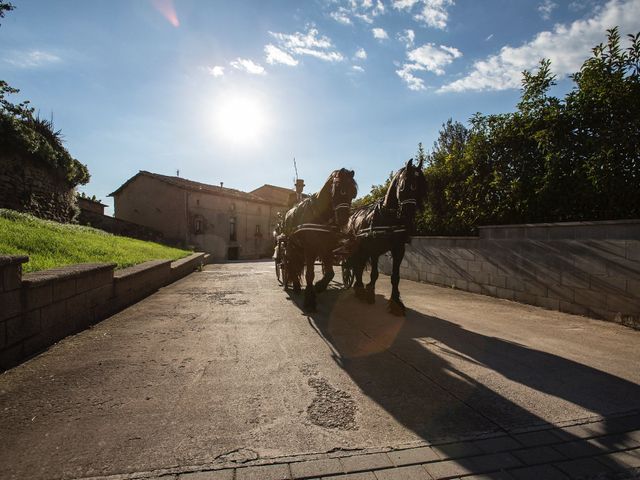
51, 244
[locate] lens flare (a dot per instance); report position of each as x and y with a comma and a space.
168, 10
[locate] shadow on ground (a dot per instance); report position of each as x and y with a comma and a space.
407, 365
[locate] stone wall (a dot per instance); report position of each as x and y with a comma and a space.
39, 309
120, 227
33, 187
585, 268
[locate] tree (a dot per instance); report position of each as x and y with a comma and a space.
377, 193
5, 7
576, 158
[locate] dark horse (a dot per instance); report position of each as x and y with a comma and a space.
383, 226
312, 229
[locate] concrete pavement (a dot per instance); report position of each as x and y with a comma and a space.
222, 374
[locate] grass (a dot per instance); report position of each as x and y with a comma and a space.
50, 244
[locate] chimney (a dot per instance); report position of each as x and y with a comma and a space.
221, 184
299, 188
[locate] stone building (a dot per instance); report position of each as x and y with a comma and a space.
227, 223
89, 205
285, 196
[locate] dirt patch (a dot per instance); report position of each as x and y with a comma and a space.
331, 407
309, 369
219, 297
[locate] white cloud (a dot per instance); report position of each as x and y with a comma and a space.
546, 7
361, 54
379, 33
32, 59
433, 58
426, 58
358, 68
567, 46
275, 55
310, 43
366, 11
248, 66
407, 37
342, 16
413, 82
404, 4
433, 13
216, 71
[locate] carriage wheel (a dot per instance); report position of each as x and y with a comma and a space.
347, 275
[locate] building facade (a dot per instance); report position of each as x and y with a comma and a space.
227, 223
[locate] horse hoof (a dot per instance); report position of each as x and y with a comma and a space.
370, 296
320, 287
396, 308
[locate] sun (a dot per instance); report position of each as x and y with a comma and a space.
240, 118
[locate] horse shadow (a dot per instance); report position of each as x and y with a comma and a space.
430, 375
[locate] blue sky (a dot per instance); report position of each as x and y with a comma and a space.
231, 91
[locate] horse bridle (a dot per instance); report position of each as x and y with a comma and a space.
340, 206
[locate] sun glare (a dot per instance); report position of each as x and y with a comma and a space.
240, 119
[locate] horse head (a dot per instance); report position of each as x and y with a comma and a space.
343, 190
411, 190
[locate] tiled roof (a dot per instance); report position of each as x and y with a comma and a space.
196, 186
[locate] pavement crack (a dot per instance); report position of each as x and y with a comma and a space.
240, 455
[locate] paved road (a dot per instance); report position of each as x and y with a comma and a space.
223, 367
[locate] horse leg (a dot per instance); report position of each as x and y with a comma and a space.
371, 286
395, 305
358, 268
327, 264
309, 292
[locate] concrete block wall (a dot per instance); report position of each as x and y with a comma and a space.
585, 268
38, 309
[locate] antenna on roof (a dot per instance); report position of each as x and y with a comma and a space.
295, 167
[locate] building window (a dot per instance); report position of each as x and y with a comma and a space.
232, 229
258, 232
197, 225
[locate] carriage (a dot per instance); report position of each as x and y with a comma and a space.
324, 227
339, 258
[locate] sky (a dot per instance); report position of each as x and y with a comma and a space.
232, 91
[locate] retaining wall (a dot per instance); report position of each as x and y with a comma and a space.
585, 268
38, 309
119, 227
31, 186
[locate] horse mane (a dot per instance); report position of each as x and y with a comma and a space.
311, 209
391, 197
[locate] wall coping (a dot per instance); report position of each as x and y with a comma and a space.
564, 224
140, 268
13, 260
442, 237
187, 259
66, 272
